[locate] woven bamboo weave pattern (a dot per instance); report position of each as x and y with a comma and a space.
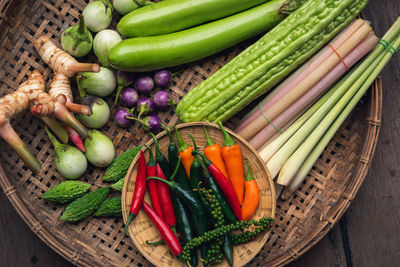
301, 221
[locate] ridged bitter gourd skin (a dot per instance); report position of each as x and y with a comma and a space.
268, 61
85, 205
119, 167
66, 191
118, 185
110, 208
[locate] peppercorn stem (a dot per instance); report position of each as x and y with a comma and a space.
159, 242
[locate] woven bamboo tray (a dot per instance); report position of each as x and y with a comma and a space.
143, 229
300, 223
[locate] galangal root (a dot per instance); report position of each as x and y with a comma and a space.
64, 66
14, 103
59, 60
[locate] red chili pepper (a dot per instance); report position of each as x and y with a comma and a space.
140, 190
151, 170
224, 184
166, 233
164, 196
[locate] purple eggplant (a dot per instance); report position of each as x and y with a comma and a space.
144, 85
145, 106
129, 97
163, 100
124, 80
162, 78
149, 123
121, 118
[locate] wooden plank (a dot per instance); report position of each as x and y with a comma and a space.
373, 218
328, 252
19, 246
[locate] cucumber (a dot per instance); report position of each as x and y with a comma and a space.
66, 191
85, 205
261, 66
110, 207
157, 52
174, 15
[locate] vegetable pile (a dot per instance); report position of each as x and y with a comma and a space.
194, 202
265, 63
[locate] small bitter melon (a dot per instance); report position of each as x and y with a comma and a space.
85, 205
110, 207
66, 191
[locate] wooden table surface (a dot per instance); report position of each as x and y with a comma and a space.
367, 235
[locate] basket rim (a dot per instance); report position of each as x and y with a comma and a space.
372, 134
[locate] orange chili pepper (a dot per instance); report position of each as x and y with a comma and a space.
213, 153
185, 153
251, 195
232, 155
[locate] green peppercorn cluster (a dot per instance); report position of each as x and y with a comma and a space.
214, 253
220, 232
262, 225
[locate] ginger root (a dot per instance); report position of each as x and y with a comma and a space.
59, 60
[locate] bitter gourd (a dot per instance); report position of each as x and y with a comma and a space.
110, 207
119, 167
118, 185
265, 63
66, 191
85, 205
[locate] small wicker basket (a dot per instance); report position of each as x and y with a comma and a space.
144, 229
300, 223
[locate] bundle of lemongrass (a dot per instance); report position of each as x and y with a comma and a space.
291, 155
297, 93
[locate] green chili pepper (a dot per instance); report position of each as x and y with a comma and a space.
173, 156
192, 200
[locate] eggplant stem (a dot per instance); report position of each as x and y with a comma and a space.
11, 137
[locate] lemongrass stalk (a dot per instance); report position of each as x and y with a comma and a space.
327, 137
302, 87
351, 84
270, 150
359, 52
57, 129
23, 151
299, 75
278, 190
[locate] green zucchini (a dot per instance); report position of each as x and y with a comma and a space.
174, 15
265, 63
157, 52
